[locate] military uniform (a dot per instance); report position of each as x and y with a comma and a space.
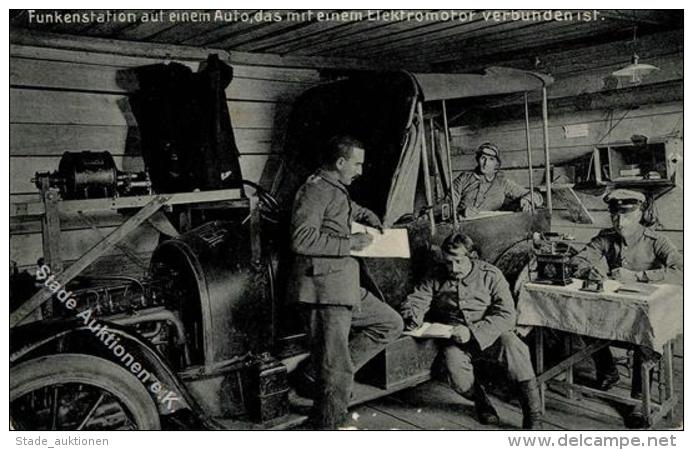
644, 251
481, 301
647, 253
348, 324
473, 190
651, 255
654, 259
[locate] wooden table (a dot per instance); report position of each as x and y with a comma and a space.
638, 314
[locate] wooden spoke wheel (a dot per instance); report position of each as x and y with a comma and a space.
78, 392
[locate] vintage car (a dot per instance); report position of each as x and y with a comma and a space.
206, 339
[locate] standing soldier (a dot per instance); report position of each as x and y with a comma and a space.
630, 251
348, 324
473, 296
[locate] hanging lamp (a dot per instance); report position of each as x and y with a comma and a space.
635, 71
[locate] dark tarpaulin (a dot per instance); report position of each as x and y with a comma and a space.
378, 108
374, 107
185, 128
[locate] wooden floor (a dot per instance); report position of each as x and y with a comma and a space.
434, 406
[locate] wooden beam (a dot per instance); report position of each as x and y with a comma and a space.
543, 377
528, 138
92, 255
424, 165
566, 198
183, 31
167, 51
31, 73
547, 152
448, 156
218, 32
461, 32
471, 49
275, 35
114, 204
418, 34
596, 393
354, 40
631, 19
308, 44
246, 40
583, 51
333, 40
624, 98
667, 375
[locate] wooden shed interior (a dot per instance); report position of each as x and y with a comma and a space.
67, 93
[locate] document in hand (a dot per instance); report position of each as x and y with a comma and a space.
392, 243
432, 330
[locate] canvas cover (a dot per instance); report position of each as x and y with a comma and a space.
492, 81
378, 108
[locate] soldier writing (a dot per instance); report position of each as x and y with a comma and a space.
348, 324
630, 252
474, 296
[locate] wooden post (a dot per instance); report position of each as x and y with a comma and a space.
569, 378
50, 235
426, 173
646, 370
436, 172
448, 154
529, 153
254, 224
539, 354
668, 376
85, 260
547, 156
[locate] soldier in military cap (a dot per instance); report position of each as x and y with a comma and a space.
630, 251
486, 188
474, 296
348, 324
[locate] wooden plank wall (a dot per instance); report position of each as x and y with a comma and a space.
604, 124
70, 100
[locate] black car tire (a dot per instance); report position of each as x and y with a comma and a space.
89, 370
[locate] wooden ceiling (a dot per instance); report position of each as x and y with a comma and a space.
409, 43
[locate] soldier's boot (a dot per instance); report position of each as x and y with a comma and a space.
303, 381
530, 402
607, 380
607, 372
484, 409
636, 418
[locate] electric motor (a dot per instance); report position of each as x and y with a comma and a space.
83, 175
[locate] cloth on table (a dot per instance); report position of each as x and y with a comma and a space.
650, 317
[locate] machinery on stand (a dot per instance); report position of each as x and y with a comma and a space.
92, 175
207, 321
198, 321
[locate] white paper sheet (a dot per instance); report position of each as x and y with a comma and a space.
431, 330
393, 243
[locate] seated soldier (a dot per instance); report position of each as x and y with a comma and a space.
474, 296
630, 251
486, 188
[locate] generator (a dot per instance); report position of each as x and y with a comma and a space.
85, 175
